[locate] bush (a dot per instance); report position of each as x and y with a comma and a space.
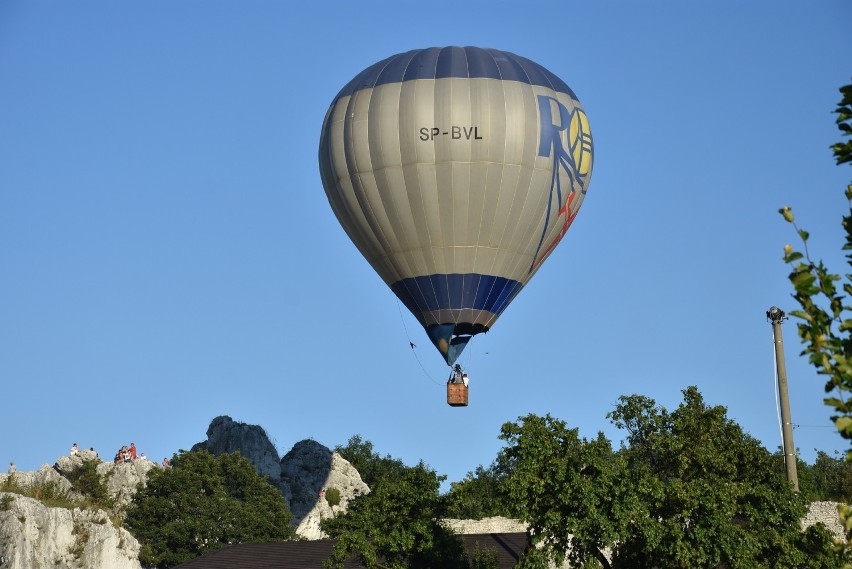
483, 558
332, 496
86, 480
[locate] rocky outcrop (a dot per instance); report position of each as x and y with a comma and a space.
307, 472
226, 435
123, 479
33, 535
41, 477
304, 472
65, 465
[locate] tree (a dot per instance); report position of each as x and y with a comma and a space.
687, 489
708, 491
561, 483
203, 503
370, 465
397, 526
480, 494
825, 326
828, 478
832, 478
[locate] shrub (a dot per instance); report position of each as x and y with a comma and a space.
483, 558
332, 496
86, 480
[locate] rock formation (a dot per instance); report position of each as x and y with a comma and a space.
33, 535
123, 479
304, 472
44, 475
226, 435
307, 471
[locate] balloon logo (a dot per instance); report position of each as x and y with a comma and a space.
455, 172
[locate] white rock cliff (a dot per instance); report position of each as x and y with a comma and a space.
34, 536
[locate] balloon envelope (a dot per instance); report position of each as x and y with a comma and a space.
455, 171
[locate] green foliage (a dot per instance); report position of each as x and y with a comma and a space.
480, 494
833, 476
397, 525
561, 484
687, 489
48, 493
86, 480
708, 492
483, 558
332, 496
6, 502
203, 503
825, 325
370, 465
828, 478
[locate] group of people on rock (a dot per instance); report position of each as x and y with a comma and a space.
124, 454
128, 454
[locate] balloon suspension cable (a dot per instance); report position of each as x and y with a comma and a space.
413, 345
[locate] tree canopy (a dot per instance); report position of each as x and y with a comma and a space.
370, 465
480, 495
397, 525
203, 503
687, 488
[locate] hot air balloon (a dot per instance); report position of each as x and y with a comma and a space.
455, 172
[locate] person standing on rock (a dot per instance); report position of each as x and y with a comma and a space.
12, 468
132, 451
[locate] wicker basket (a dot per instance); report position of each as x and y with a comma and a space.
457, 395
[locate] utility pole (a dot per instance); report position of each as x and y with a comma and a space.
777, 316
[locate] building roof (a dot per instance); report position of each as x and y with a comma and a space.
507, 547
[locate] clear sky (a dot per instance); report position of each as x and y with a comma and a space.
167, 252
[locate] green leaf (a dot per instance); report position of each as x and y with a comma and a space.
844, 424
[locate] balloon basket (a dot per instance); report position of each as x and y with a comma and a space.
457, 395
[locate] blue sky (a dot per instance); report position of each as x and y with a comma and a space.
167, 252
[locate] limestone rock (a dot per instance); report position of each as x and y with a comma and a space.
33, 535
65, 465
124, 478
226, 435
309, 469
42, 476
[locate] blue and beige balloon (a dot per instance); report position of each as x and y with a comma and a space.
456, 171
